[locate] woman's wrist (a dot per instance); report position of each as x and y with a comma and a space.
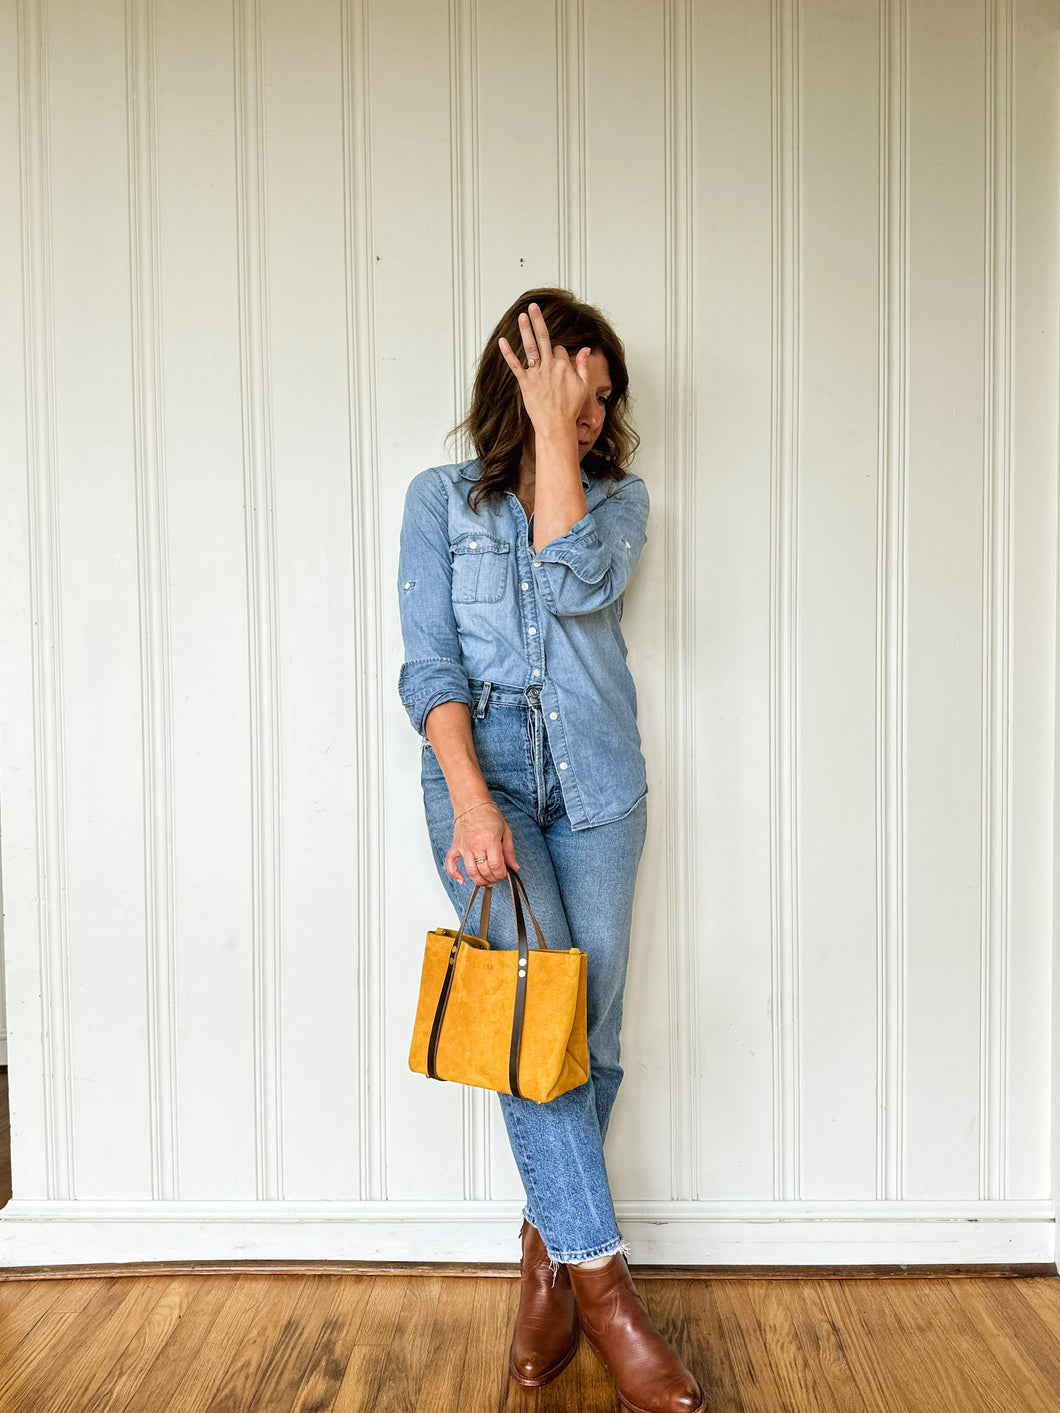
458, 810
470, 791
556, 433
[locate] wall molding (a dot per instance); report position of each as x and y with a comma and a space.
262, 592
367, 640
679, 463
891, 580
369, 679
153, 583
571, 148
476, 1105
45, 601
998, 571
465, 234
682, 1233
783, 598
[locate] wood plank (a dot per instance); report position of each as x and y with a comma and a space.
70, 1341
1035, 1371
283, 1374
485, 1382
936, 1361
128, 1370
335, 1346
193, 1363
410, 1346
364, 1378
823, 1350
750, 1354
450, 1335
246, 1346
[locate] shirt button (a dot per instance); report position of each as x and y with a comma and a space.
408, 586
537, 672
472, 544
524, 586
537, 564
531, 630
563, 765
552, 716
627, 544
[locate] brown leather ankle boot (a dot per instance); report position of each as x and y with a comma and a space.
546, 1326
649, 1377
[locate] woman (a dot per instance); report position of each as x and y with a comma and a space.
512, 572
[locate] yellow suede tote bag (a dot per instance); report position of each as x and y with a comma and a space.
510, 1020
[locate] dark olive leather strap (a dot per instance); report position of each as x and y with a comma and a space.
519, 1010
484, 919
519, 900
443, 997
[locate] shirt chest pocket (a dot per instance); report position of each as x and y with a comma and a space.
480, 568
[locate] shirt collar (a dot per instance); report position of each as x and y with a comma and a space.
472, 470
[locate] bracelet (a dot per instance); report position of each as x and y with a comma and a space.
472, 807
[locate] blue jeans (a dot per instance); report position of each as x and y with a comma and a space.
580, 884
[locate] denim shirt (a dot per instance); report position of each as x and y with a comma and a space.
477, 602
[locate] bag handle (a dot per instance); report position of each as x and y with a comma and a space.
484, 919
519, 897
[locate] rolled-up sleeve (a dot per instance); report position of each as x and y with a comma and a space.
590, 566
433, 670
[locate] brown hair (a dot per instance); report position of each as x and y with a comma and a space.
496, 421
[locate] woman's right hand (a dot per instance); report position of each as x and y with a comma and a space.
482, 833
554, 385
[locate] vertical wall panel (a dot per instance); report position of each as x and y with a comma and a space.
420, 309
25, 906
838, 234
368, 707
258, 248
944, 603
732, 316
1034, 135
214, 1057
156, 682
12, 386
626, 132
96, 596
319, 813
518, 138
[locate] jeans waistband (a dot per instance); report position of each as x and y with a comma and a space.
503, 694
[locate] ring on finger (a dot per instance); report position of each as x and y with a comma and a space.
531, 362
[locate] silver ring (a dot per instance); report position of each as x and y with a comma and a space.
531, 362
480, 860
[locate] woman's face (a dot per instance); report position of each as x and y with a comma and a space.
594, 408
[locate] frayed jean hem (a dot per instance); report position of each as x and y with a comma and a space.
610, 1250
572, 1258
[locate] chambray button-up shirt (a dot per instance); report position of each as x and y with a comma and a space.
477, 602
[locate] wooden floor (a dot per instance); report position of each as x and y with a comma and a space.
194, 1341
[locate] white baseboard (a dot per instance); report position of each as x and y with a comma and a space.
35, 1233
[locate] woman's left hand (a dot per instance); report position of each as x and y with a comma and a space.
554, 388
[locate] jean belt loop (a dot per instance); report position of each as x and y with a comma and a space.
483, 700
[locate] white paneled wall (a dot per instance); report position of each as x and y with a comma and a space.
251, 254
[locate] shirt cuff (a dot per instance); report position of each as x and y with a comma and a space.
580, 550
427, 682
